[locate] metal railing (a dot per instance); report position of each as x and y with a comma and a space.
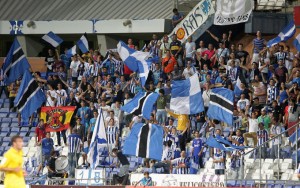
259, 157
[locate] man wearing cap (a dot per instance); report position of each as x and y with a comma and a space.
265, 119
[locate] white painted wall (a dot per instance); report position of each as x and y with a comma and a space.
82, 26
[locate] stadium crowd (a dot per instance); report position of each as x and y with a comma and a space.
266, 105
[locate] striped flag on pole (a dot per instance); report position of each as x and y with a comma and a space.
53, 39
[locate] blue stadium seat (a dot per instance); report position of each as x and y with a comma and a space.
5, 144
32, 134
6, 100
5, 105
13, 134
12, 115
6, 120
14, 124
5, 129
14, 120
3, 115
32, 129
7, 147
3, 134
6, 124
26, 139
22, 134
4, 110
15, 129
24, 129
6, 139
1, 100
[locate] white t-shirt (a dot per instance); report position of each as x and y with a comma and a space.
163, 48
74, 68
53, 94
168, 154
206, 97
189, 48
253, 125
243, 103
188, 72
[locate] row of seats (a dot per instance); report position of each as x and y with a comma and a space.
270, 4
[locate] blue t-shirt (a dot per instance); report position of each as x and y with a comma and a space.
146, 181
197, 145
92, 124
47, 146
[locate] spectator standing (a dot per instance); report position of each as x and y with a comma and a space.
292, 112
176, 50
161, 114
275, 131
181, 163
265, 119
74, 68
177, 17
47, 146
198, 148
164, 47
219, 161
253, 128
3, 86
74, 149
262, 137
49, 61
258, 45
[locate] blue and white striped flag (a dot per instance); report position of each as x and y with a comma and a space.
15, 63
30, 96
53, 39
297, 43
237, 88
284, 35
71, 51
221, 105
145, 140
293, 139
98, 141
186, 96
141, 104
83, 44
136, 61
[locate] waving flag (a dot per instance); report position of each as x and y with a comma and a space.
237, 88
297, 43
186, 96
145, 140
293, 139
53, 39
57, 118
141, 104
99, 140
30, 97
221, 105
136, 61
83, 44
71, 51
15, 63
284, 35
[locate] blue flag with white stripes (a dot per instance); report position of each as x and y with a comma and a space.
136, 61
52, 39
145, 140
186, 96
293, 138
220, 143
83, 44
141, 104
30, 96
70, 52
284, 35
98, 141
221, 105
15, 63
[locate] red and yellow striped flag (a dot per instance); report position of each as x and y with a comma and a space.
57, 118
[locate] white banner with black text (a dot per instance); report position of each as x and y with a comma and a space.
233, 11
